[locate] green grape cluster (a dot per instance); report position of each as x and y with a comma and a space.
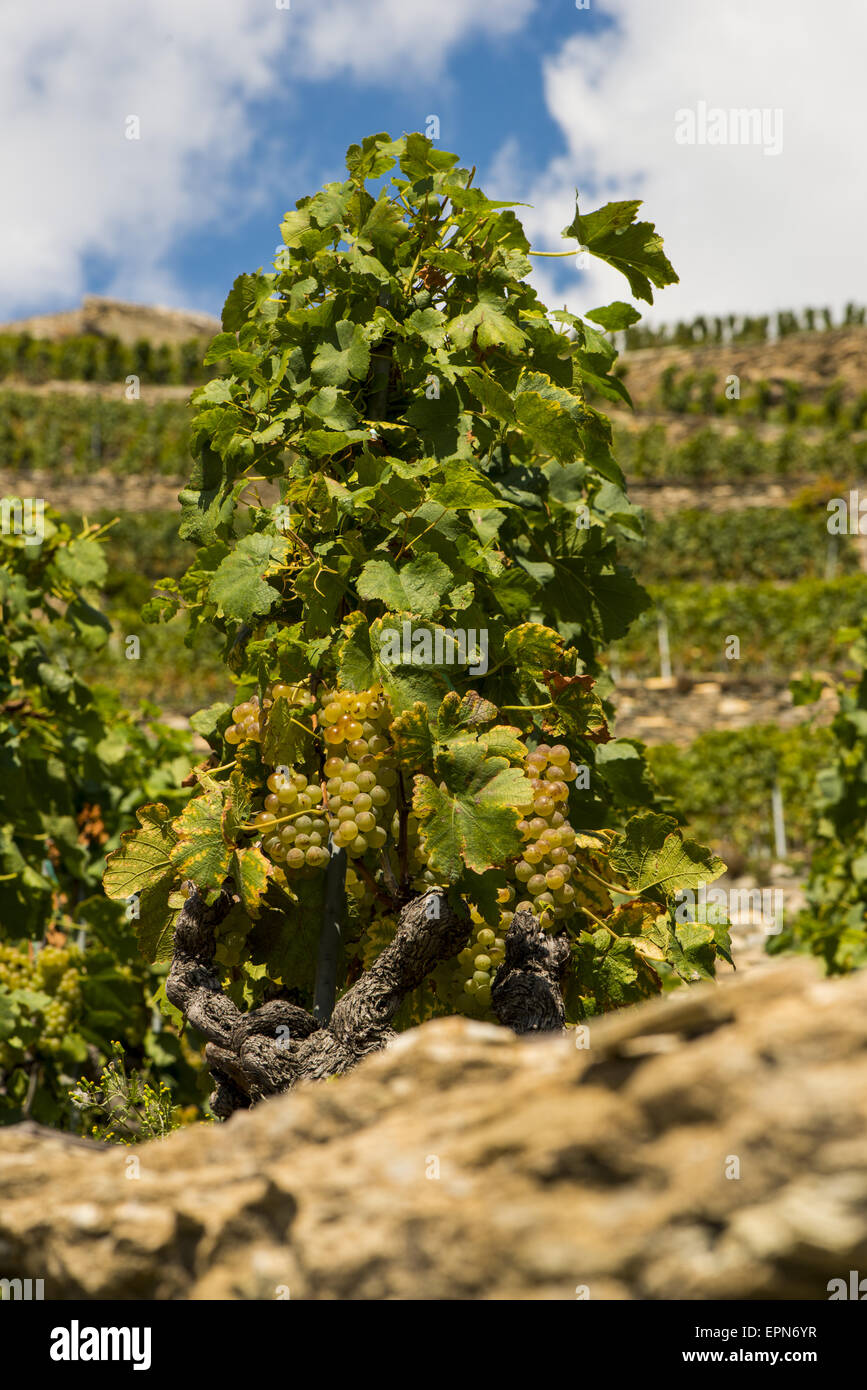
476, 965
16, 969
356, 795
547, 863
352, 801
55, 971
232, 947
361, 779
247, 716
293, 822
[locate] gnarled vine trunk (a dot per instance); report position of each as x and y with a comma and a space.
270, 1049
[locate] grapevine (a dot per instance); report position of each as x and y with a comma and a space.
414, 630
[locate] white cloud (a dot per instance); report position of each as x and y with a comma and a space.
76, 191
396, 40
745, 231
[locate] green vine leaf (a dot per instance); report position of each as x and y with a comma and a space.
652, 853
469, 820
239, 586
335, 362
250, 872
633, 248
143, 874
287, 740
417, 587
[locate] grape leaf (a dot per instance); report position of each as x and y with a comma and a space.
549, 425
577, 710
284, 741
201, 853
489, 321
614, 316
335, 362
417, 587
82, 563
464, 487
143, 857
652, 853
492, 395
634, 248
155, 925
468, 816
239, 586
413, 740
250, 871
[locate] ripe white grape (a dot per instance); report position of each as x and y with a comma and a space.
546, 864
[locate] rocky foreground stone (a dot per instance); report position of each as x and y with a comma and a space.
710, 1145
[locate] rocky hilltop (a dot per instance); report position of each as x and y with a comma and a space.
709, 1145
114, 318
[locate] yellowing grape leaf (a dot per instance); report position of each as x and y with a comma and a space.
143, 857
141, 872
413, 740
470, 711
577, 710
201, 853
533, 647
643, 921
250, 872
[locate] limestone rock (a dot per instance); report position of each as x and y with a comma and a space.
116, 318
467, 1163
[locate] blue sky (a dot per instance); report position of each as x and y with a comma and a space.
243, 107
492, 90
